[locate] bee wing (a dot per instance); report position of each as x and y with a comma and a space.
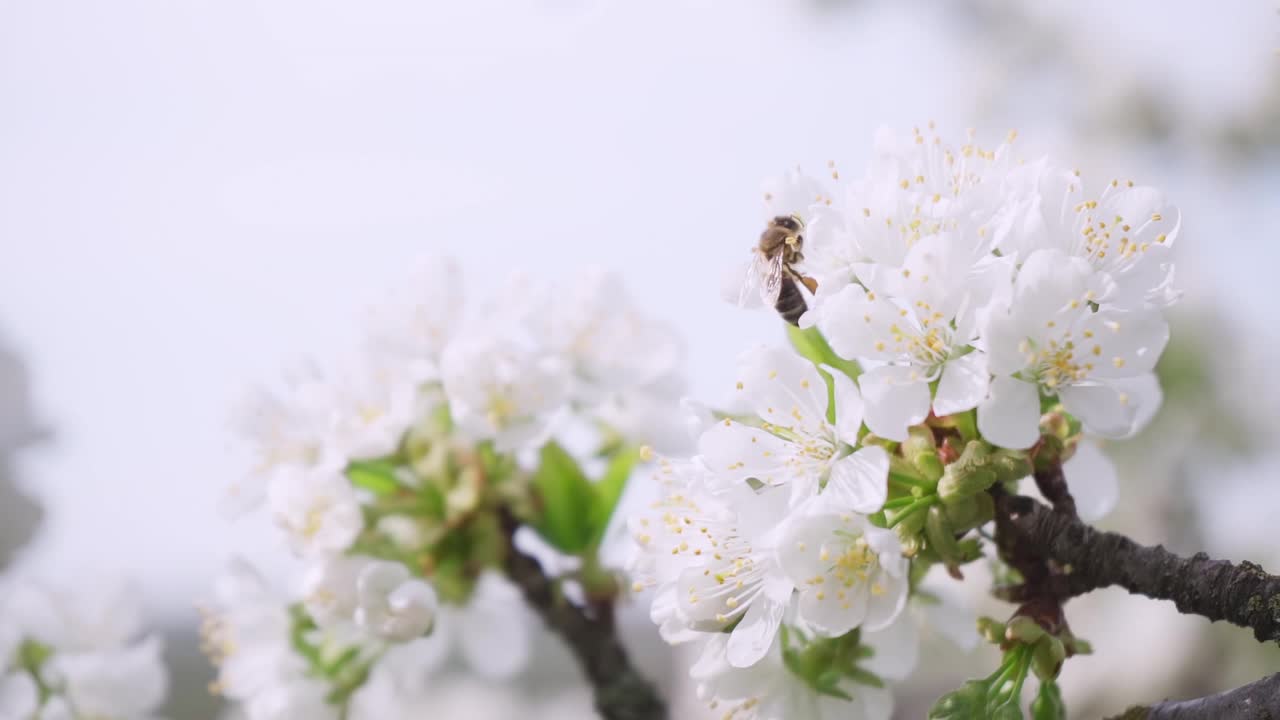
741, 284
769, 273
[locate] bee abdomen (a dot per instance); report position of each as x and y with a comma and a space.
790, 304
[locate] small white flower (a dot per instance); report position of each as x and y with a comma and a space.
608, 345
374, 410
794, 444
712, 562
921, 320
849, 573
499, 391
318, 509
128, 682
1049, 340
292, 427
392, 604
1126, 233
329, 588
412, 328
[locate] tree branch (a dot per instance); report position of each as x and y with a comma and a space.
621, 693
1241, 594
1256, 701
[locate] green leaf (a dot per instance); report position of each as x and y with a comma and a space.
608, 490
810, 343
567, 498
376, 476
1048, 704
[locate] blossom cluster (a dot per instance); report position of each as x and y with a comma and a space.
394, 482
66, 655
973, 317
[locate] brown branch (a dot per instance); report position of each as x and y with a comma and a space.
621, 693
1241, 594
1258, 700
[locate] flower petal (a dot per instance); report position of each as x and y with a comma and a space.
735, 452
1101, 407
753, 637
849, 406
784, 389
859, 482
896, 398
1010, 416
1093, 482
963, 384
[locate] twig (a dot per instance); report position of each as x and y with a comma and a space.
1258, 700
1241, 594
621, 693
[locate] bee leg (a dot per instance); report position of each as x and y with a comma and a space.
809, 283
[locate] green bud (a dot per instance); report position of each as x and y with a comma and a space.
1049, 453
1048, 704
991, 630
909, 533
969, 513
1023, 629
1077, 646
969, 475
967, 701
1011, 465
941, 536
1047, 657
970, 550
1010, 711
922, 452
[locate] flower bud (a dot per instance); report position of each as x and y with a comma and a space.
329, 589
942, 537
969, 475
1047, 656
1010, 465
1023, 629
908, 532
971, 512
991, 630
392, 605
922, 452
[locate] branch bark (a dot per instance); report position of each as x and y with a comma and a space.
621, 693
1258, 700
1242, 594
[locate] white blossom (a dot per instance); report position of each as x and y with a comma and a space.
849, 574
410, 329
1050, 341
790, 441
500, 391
317, 508
391, 604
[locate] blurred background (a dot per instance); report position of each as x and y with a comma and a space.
195, 193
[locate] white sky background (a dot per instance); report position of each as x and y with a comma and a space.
195, 194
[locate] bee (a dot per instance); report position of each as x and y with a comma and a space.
771, 273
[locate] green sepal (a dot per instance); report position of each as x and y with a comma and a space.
1048, 704
377, 476
810, 343
567, 496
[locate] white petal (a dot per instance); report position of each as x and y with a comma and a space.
1100, 406
896, 399
886, 599
1092, 479
1010, 416
831, 614
1123, 344
849, 406
963, 385
859, 482
897, 648
784, 389
753, 637
1144, 395
735, 452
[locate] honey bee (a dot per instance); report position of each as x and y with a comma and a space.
771, 273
